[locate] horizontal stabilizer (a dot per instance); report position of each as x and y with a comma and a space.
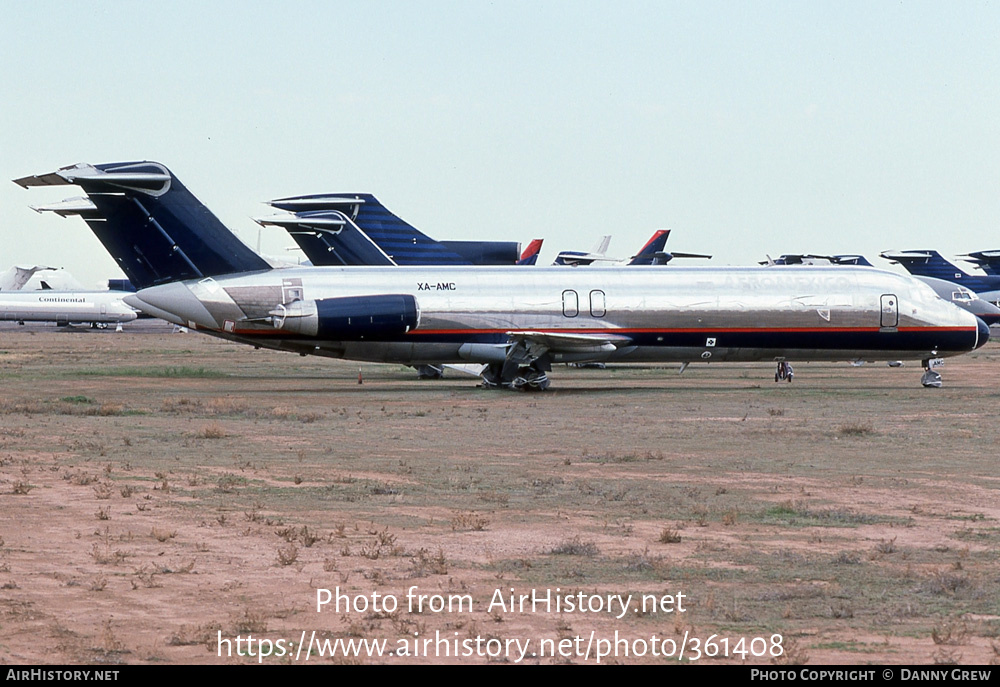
897, 255
326, 222
68, 207
317, 202
984, 254
859, 260
135, 176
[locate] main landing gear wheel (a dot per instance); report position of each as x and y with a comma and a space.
491, 376
520, 377
530, 379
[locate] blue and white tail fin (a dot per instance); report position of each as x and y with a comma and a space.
930, 263
402, 243
155, 229
368, 224
329, 237
987, 260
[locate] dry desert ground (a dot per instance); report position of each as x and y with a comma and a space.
166, 494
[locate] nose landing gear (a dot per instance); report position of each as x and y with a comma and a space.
784, 372
931, 378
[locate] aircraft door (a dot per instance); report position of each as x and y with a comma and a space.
570, 303
890, 311
597, 305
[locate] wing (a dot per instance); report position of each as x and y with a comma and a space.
599, 346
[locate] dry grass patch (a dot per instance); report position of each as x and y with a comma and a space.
575, 547
469, 521
669, 536
856, 429
213, 431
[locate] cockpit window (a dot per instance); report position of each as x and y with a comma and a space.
961, 296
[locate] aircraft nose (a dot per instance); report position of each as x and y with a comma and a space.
984, 332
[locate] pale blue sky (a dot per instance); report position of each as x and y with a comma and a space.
746, 127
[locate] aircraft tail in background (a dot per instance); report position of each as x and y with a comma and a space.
396, 239
655, 253
987, 260
576, 258
329, 237
930, 263
926, 263
16, 277
529, 256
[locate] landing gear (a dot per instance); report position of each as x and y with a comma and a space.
530, 379
784, 372
931, 378
520, 371
429, 372
491, 376
524, 378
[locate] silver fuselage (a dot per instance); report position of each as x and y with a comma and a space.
64, 307
676, 314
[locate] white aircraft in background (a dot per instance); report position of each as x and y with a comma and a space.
65, 307
599, 253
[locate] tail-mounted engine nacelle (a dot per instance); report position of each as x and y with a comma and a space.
349, 318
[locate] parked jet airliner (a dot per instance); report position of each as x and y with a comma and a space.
930, 263
65, 307
192, 271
